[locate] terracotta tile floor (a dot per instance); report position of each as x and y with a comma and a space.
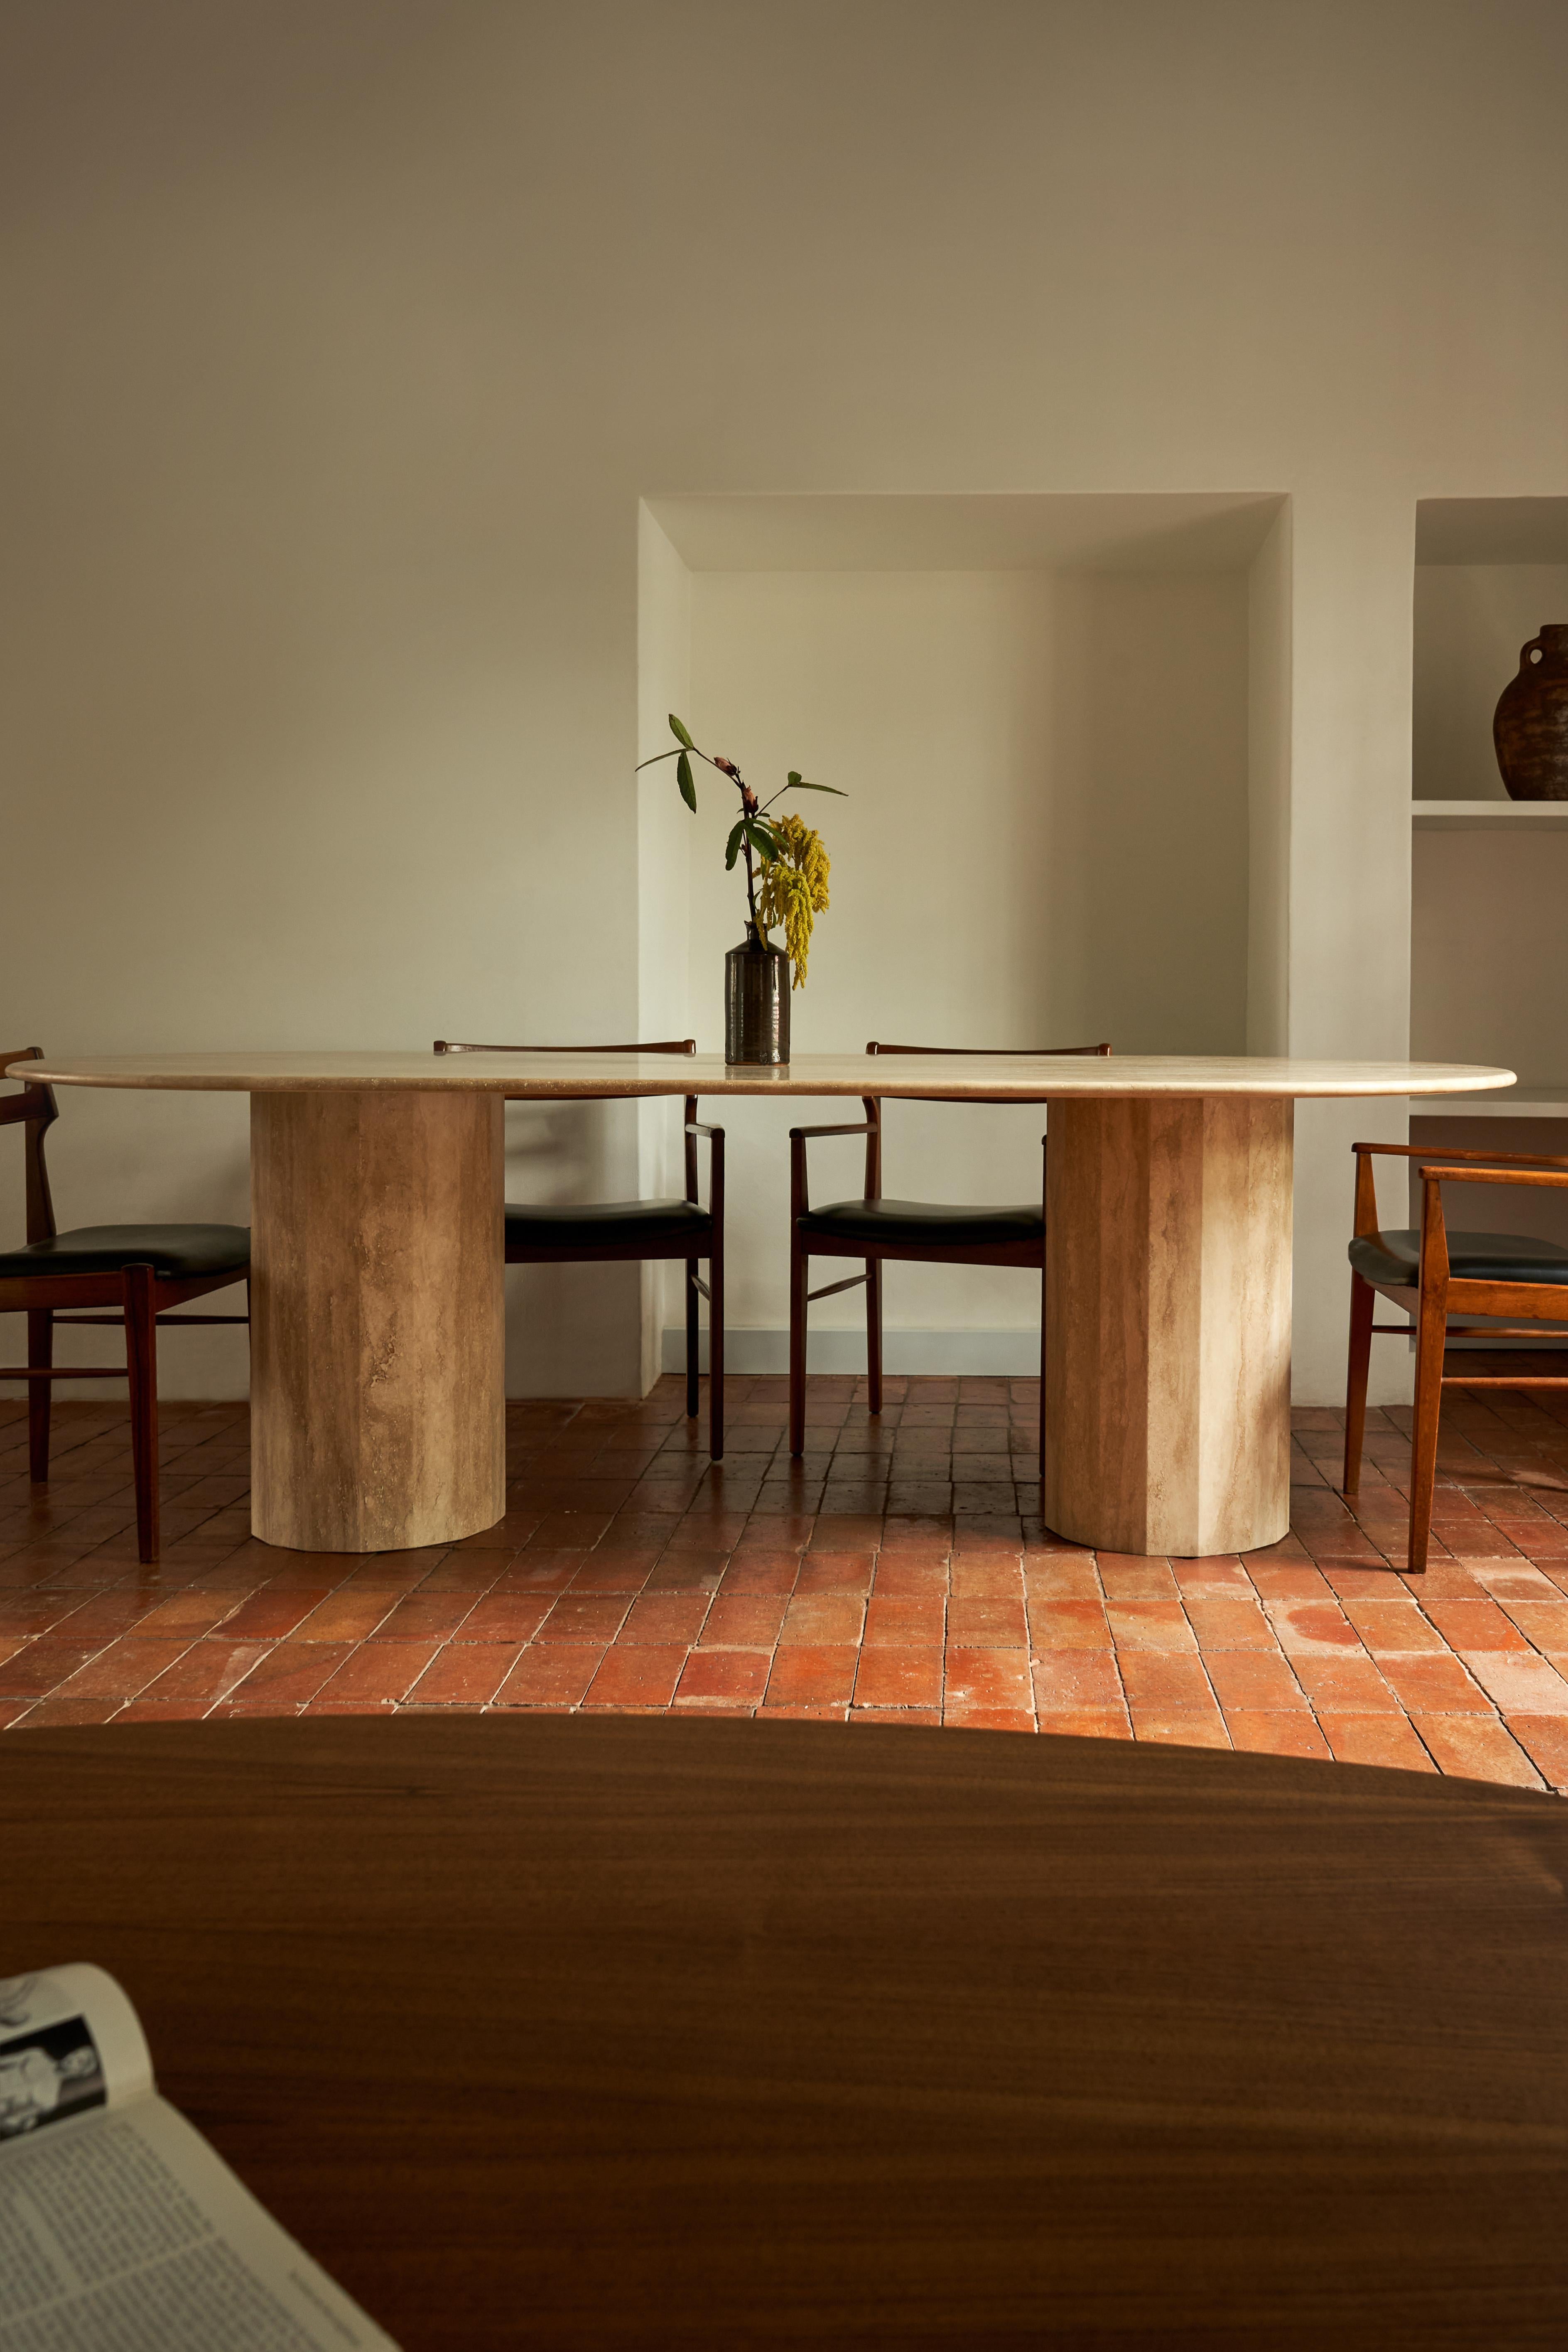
898, 1575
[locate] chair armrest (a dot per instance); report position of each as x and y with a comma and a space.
799, 1188
1440, 1173
1435, 1151
695, 1127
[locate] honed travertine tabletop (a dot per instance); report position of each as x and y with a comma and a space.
1027, 1078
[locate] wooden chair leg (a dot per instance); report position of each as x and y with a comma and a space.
716, 1352
40, 1353
874, 1334
1363, 1305
691, 1338
799, 1265
1430, 1335
141, 1364
1045, 1214
1042, 1375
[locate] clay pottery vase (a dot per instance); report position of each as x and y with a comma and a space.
1529, 726
756, 1002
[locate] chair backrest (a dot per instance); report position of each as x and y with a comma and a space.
661, 1045
35, 1108
1034, 1053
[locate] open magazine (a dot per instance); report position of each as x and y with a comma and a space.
120, 2229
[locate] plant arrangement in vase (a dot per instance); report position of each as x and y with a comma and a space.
786, 870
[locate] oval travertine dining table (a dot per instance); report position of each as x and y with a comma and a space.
377, 1406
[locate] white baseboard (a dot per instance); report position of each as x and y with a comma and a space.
1012, 1355
999, 1355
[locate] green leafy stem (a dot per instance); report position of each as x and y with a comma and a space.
753, 831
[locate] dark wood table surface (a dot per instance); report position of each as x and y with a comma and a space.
550, 2030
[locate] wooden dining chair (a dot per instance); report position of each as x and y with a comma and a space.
927, 1233
1435, 1274
138, 1270
579, 1234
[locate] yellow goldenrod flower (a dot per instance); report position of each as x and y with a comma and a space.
793, 889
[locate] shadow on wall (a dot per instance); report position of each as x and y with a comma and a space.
1144, 867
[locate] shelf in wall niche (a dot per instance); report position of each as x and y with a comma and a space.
1490, 816
1518, 1102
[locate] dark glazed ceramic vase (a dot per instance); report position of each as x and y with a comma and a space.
1529, 726
756, 1002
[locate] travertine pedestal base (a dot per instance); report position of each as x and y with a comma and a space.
1168, 1323
378, 1412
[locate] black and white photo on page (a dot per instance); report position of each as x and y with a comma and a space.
48, 2075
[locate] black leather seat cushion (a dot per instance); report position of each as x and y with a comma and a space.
182, 1253
925, 1224
663, 1226
1472, 1257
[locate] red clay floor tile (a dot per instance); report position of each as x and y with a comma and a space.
1159, 1680
292, 1672
665, 1617
124, 1669
731, 1676
1252, 1679
471, 1674
504, 1617
1068, 1681
1477, 1747
1376, 1739
743, 1621
1192, 1727
556, 1676
1345, 1684
1086, 1722
1544, 1740
1261, 1731
988, 1679
591, 1617
894, 1677
378, 1671
813, 1675
633, 1673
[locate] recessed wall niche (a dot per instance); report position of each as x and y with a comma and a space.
1488, 937
1062, 726
1490, 876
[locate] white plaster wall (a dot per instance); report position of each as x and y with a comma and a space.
344, 340
1269, 793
